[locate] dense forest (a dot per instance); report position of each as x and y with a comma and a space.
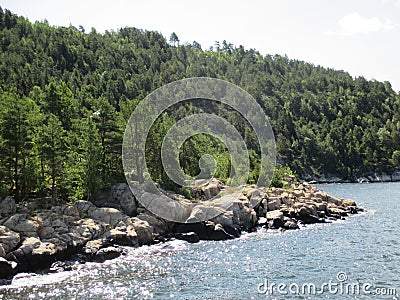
66, 95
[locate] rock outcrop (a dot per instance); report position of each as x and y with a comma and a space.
303, 204
31, 240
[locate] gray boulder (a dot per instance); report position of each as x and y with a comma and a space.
22, 224
122, 235
9, 239
143, 230
33, 254
118, 196
204, 212
205, 230
83, 207
7, 206
106, 254
106, 215
159, 225
275, 219
243, 215
207, 191
290, 225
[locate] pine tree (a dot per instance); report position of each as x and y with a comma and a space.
17, 122
91, 159
51, 145
107, 123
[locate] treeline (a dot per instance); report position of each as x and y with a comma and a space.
66, 95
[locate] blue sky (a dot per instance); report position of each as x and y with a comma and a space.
358, 36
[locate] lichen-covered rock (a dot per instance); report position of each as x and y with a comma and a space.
88, 231
93, 246
45, 248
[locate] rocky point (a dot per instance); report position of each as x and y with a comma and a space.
56, 237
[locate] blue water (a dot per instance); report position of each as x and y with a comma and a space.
363, 249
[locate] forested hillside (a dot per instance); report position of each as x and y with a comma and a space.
66, 95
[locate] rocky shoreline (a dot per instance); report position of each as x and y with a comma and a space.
38, 235
372, 177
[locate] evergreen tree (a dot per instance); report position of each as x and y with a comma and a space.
52, 149
17, 122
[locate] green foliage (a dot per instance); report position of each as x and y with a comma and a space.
18, 120
282, 176
66, 95
50, 142
396, 158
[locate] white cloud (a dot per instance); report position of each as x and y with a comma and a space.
396, 3
354, 23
